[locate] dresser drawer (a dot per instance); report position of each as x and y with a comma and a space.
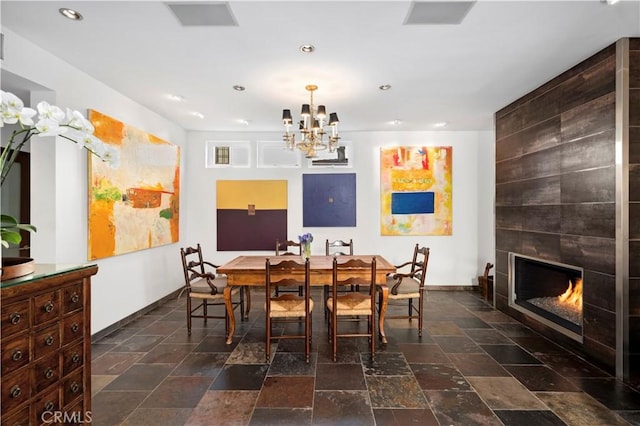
15, 317
72, 358
45, 372
72, 388
45, 407
46, 341
46, 307
16, 389
15, 352
19, 418
72, 299
72, 328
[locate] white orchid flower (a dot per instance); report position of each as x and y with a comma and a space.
51, 112
49, 127
11, 101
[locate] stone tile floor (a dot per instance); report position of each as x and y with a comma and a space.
472, 366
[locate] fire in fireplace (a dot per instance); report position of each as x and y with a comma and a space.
548, 291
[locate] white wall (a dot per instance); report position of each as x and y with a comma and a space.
125, 283
454, 259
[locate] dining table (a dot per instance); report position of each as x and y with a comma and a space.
249, 271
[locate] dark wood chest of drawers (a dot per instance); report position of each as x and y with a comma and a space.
46, 346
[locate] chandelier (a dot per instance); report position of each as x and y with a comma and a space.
311, 128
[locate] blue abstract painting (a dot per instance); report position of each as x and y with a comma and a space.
329, 199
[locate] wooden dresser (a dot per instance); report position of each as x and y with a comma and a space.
46, 346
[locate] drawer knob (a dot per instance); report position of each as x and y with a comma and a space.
15, 318
15, 391
75, 358
48, 307
75, 387
48, 406
75, 297
48, 373
49, 340
16, 355
75, 327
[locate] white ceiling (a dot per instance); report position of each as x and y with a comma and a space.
460, 74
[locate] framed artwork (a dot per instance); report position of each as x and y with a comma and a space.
416, 190
135, 205
227, 154
275, 155
329, 199
341, 158
251, 214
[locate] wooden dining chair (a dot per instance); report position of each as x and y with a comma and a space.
335, 248
288, 307
288, 248
485, 282
203, 285
352, 306
409, 285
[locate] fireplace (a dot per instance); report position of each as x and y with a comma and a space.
550, 292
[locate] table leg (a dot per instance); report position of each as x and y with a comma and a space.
230, 315
247, 299
382, 303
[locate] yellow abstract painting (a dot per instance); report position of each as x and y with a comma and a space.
135, 205
415, 190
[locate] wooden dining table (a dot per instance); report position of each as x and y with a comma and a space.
249, 271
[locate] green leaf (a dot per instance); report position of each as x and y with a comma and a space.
8, 221
11, 237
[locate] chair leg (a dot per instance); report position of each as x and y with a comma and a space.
188, 315
204, 310
420, 315
267, 347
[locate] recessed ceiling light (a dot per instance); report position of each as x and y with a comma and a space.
384, 87
197, 114
396, 122
440, 125
307, 48
70, 14
238, 88
176, 98
243, 121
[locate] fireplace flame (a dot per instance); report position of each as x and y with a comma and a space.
573, 296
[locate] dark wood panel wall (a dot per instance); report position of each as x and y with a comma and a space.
556, 192
634, 210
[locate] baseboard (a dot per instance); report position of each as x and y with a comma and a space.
452, 287
126, 320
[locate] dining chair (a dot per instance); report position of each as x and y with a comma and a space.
409, 286
288, 248
336, 248
203, 285
485, 282
353, 306
287, 308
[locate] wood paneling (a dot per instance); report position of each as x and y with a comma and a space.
555, 190
592, 220
589, 186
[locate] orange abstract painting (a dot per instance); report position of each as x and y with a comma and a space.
135, 205
415, 185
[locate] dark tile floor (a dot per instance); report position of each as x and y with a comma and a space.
473, 366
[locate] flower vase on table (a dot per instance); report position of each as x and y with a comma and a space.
305, 245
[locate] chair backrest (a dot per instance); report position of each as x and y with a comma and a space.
288, 248
193, 264
343, 273
286, 273
487, 268
339, 247
418, 267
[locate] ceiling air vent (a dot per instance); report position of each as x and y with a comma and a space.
203, 14
438, 12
